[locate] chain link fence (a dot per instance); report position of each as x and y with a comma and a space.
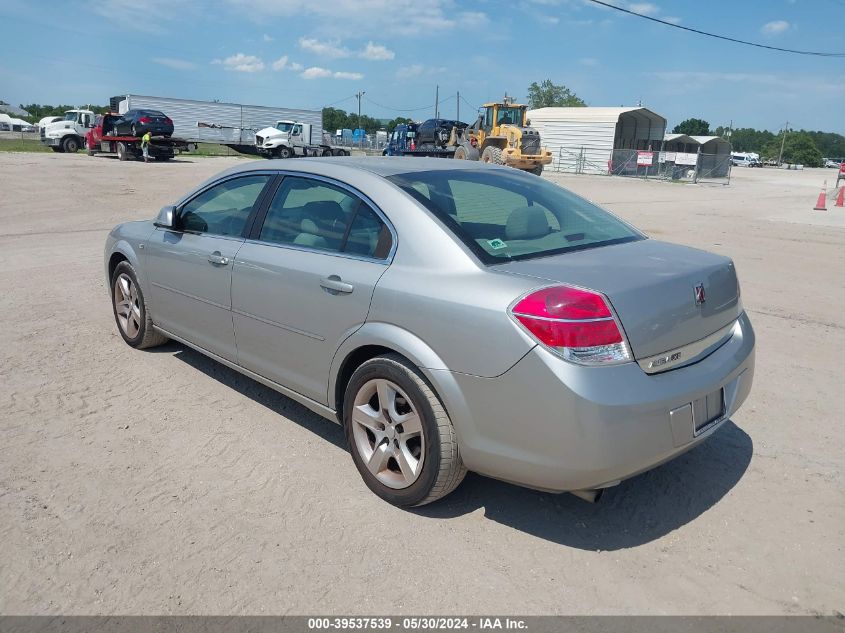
644, 163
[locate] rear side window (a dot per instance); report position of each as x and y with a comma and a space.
317, 214
505, 215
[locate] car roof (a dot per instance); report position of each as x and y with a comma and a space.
378, 165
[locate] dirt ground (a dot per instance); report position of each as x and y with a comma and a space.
162, 483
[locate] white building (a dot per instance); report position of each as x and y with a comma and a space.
584, 139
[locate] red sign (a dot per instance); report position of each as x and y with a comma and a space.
644, 159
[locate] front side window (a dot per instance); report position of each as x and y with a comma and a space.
319, 215
505, 216
224, 208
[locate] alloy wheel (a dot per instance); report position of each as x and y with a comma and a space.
388, 433
127, 306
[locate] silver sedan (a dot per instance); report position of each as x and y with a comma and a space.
452, 316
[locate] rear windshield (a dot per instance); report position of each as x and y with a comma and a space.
504, 215
152, 113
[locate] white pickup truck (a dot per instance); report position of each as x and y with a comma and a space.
68, 134
291, 138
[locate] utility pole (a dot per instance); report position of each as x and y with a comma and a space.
458, 101
437, 102
358, 95
783, 141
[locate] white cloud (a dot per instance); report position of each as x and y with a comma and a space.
150, 16
315, 72
645, 8
325, 49
296, 66
376, 52
347, 75
267, 38
588, 61
281, 63
419, 70
672, 19
339, 18
551, 20
776, 27
242, 63
176, 64
474, 18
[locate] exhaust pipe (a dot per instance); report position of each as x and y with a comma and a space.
591, 495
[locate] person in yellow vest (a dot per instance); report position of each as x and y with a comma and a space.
145, 146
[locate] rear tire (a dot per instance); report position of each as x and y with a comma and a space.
405, 448
327, 152
491, 155
122, 152
537, 171
130, 309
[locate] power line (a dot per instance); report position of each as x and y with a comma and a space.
336, 102
720, 37
425, 107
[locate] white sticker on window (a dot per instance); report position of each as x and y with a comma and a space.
496, 244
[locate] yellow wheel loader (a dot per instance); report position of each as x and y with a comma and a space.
501, 135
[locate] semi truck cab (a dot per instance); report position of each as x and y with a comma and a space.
68, 134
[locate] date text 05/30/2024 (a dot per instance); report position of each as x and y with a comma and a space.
416, 623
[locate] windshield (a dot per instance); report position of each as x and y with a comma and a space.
284, 126
512, 116
505, 215
71, 116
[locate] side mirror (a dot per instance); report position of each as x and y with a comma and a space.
166, 217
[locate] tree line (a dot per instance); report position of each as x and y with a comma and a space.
806, 147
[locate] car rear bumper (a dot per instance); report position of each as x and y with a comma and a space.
552, 425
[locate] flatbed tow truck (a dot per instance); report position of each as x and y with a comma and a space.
129, 147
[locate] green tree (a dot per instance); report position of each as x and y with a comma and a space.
391, 125
799, 148
693, 127
549, 95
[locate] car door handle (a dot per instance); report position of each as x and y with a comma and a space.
217, 259
335, 284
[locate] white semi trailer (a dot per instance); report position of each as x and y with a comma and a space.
231, 124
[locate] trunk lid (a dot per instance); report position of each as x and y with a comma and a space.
652, 287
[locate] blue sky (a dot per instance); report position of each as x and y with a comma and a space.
313, 53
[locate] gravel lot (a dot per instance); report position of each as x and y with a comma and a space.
162, 483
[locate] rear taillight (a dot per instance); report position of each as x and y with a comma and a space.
577, 324
168, 120
144, 119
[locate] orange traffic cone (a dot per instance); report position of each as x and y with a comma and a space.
840, 199
821, 203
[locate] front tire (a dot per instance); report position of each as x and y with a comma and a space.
491, 155
401, 438
537, 171
130, 309
284, 152
70, 145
